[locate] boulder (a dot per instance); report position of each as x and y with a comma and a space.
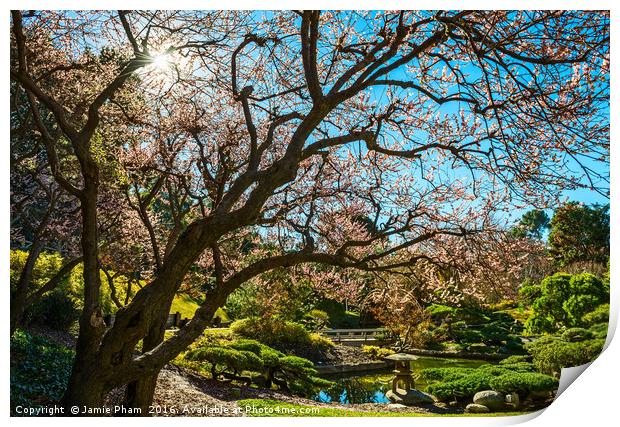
474, 408
491, 399
410, 398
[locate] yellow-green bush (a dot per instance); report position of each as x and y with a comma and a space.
282, 334
377, 352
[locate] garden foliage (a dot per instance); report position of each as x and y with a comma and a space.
463, 383
377, 352
40, 370
283, 335
266, 366
575, 347
474, 329
565, 300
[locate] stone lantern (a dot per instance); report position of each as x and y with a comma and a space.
403, 385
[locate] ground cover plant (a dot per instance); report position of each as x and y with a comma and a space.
40, 370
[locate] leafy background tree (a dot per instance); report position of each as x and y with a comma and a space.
564, 299
579, 232
533, 225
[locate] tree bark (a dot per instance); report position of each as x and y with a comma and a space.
18, 303
86, 385
139, 393
86, 390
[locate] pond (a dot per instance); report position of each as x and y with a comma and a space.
370, 387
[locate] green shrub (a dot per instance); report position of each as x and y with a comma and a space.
528, 293
565, 300
475, 329
281, 334
515, 359
597, 316
320, 342
269, 330
40, 370
577, 334
468, 336
552, 354
344, 320
537, 324
226, 359
463, 387
523, 382
296, 364
377, 352
316, 320
512, 367
243, 301
266, 366
270, 356
579, 305
599, 330
463, 383
439, 311
56, 310
519, 366
247, 345
46, 266
444, 374
505, 304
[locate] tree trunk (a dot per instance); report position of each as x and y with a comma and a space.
139, 393
85, 391
18, 302
111, 357
86, 386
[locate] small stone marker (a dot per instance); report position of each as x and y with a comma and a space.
403, 386
402, 371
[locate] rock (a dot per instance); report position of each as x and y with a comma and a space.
453, 404
491, 399
410, 398
513, 400
474, 408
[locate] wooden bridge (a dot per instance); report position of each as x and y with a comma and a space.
359, 337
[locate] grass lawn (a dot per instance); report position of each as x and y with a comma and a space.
277, 408
187, 305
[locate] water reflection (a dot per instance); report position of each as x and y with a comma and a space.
370, 387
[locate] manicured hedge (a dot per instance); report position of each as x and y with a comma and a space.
463, 383
266, 366
551, 354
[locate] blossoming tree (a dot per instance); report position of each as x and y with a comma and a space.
348, 139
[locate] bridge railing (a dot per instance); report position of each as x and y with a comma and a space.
339, 335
